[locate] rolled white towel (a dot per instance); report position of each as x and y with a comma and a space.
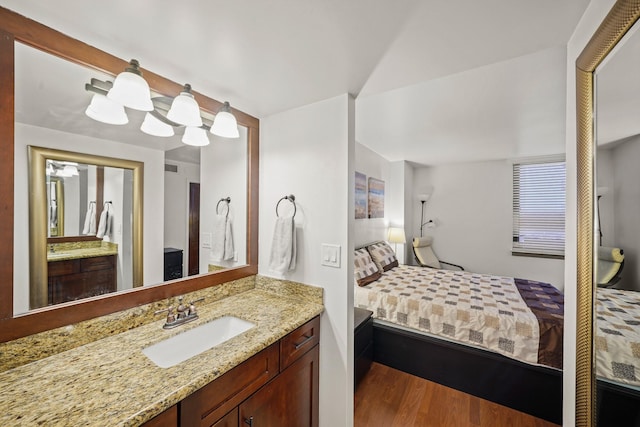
283, 247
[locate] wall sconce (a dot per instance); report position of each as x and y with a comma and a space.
395, 236
164, 113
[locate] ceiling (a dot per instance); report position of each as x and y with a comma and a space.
435, 81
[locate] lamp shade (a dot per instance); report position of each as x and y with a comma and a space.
131, 89
423, 197
185, 109
107, 111
396, 235
195, 136
153, 126
225, 123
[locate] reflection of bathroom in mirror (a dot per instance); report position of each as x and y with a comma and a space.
617, 214
50, 112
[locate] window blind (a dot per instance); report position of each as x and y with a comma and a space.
539, 207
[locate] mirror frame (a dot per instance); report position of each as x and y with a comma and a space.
17, 28
38, 268
618, 21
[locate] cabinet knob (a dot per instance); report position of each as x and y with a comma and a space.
249, 421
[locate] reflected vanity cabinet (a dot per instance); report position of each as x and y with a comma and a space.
276, 387
69, 280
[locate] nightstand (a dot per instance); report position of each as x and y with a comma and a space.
362, 343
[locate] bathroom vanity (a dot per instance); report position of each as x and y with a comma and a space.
269, 372
278, 386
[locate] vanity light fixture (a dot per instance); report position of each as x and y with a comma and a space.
195, 136
184, 109
155, 127
130, 89
165, 113
225, 123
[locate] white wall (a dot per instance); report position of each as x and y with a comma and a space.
153, 199
593, 16
72, 206
308, 152
113, 191
223, 173
471, 205
176, 207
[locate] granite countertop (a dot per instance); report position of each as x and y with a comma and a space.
67, 254
111, 382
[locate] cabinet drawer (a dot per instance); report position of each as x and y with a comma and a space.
212, 402
363, 337
98, 263
299, 342
62, 268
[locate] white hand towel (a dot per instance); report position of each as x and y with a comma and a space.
218, 237
90, 221
109, 225
283, 247
102, 226
228, 241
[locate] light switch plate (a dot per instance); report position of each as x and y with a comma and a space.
205, 240
330, 255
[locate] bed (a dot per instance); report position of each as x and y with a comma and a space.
499, 338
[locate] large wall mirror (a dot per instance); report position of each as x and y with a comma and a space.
608, 95
163, 199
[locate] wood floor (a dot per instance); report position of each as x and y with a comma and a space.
387, 397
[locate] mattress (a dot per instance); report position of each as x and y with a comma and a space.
617, 342
517, 318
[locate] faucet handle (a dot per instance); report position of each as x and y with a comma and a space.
192, 306
171, 317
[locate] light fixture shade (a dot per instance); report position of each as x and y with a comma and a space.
107, 111
153, 126
185, 109
423, 197
225, 123
195, 136
396, 235
131, 89
67, 171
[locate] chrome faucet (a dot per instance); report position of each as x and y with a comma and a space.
183, 313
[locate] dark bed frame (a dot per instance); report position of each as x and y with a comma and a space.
535, 390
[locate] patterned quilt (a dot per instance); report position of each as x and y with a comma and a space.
476, 309
618, 335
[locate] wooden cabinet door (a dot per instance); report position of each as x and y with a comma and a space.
168, 418
229, 420
290, 399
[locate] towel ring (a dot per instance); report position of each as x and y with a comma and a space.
290, 198
224, 199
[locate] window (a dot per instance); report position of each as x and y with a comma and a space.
539, 208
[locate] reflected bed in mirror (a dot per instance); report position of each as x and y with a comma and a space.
47, 110
608, 203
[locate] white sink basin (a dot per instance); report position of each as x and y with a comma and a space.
184, 346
